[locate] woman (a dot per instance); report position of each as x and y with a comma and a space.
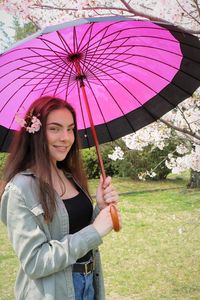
46, 207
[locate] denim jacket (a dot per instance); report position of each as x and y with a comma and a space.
46, 251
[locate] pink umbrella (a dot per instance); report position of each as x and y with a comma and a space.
119, 74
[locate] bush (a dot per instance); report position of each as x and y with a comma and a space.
91, 162
133, 164
3, 157
137, 162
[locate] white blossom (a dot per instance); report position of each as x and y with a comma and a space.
117, 154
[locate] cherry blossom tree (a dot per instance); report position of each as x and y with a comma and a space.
184, 120
185, 13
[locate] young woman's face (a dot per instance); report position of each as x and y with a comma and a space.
60, 133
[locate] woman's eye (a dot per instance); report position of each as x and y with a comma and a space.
70, 129
54, 129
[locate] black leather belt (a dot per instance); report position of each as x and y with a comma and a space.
84, 268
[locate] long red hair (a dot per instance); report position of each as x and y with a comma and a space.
30, 151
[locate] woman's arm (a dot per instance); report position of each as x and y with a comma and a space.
39, 256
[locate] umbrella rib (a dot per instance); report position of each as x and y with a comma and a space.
63, 41
119, 70
114, 63
87, 49
47, 42
140, 36
44, 41
68, 83
99, 57
83, 117
151, 71
58, 70
105, 123
18, 90
154, 117
39, 66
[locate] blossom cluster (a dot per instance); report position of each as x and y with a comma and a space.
187, 153
32, 126
46, 12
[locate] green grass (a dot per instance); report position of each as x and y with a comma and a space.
155, 256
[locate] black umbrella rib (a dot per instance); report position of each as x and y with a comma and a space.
85, 46
102, 115
123, 53
114, 62
38, 68
21, 104
46, 42
53, 79
174, 40
101, 82
95, 53
36, 71
117, 33
89, 30
99, 56
97, 46
94, 49
141, 104
129, 75
46, 58
67, 81
64, 43
64, 64
82, 114
141, 83
118, 54
20, 88
55, 52
71, 84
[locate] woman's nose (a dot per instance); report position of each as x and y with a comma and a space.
64, 135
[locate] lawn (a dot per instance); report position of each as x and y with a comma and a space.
157, 253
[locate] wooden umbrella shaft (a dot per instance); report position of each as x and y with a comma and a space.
113, 210
94, 134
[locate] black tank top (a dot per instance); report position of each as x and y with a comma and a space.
80, 211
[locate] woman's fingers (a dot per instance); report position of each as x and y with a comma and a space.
110, 195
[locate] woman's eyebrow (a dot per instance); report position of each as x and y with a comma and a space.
60, 125
55, 123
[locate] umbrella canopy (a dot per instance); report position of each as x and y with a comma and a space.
133, 72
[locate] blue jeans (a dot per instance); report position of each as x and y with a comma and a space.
83, 286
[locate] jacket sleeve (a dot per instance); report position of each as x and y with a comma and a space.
39, 256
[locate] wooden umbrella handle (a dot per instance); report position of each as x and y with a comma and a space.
115, 218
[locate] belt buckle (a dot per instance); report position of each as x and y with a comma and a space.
86, 268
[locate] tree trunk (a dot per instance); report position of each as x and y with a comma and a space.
194, 180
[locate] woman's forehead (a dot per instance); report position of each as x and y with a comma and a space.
61, 116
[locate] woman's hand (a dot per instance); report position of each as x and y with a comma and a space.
103, 222
106, 193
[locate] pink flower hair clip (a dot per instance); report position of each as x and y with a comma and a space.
33, 125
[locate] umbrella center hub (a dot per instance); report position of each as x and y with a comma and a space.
74, 57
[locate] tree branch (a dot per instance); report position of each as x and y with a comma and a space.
34, 22
187, 13
127, 9
182, 130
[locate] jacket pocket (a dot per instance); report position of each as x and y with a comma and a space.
38, 213
37, 210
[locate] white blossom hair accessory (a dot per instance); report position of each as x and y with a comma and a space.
32, 124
